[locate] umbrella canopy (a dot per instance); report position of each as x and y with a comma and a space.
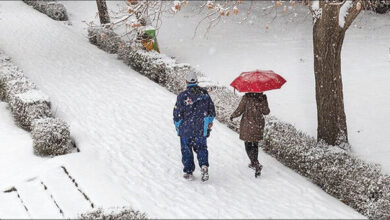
258, 81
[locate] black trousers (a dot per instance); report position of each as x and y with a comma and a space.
252, 149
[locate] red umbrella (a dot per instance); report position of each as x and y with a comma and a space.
258, 81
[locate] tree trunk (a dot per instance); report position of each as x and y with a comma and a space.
103, 12
328, 39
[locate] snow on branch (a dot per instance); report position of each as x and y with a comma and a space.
316, 10
344, 10
348, 10
353, 11
134, 16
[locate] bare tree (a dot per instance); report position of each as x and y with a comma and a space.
331, 21
103, 12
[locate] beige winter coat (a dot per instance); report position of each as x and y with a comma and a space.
252, 108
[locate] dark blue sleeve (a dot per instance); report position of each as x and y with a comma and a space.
178, 110
210, 114
211, 110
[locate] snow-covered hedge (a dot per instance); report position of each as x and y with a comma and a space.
157, 67
51, 8
355, 182
8, 72
225, 102
28, 106
32, 110
16, 86
341, 174
51, 137
380, 6
105, 39
112, 214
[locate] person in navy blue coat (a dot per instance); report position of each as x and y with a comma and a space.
193, 116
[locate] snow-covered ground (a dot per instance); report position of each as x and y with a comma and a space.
15, 147
130, 154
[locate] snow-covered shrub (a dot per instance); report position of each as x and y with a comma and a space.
104, 38
353, 181
4, 58
157, 67
53, 9
16, 86
225, 102
7, 73
150, 64
28, 106
112, 214
175, 77
51, 137
380, 6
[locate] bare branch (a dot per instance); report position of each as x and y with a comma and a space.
353, 12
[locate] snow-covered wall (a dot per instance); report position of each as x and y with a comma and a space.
355, 182
53, 9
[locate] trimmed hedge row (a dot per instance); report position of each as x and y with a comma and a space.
353, 181
32, 111
113, 214
356, 183
29, 106
51, 8
105, 39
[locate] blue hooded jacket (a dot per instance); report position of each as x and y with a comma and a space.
193, 112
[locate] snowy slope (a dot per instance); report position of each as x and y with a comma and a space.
14, 141
122, 123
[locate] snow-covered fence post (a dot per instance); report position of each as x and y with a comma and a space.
52, 8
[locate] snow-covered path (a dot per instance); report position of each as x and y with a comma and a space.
122, 122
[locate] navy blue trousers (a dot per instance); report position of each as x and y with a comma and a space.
197, 144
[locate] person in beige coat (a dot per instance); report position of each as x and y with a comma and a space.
253, 107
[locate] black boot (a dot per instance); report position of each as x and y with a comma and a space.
258, 169
205, 173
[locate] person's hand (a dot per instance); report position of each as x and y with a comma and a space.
210, 125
